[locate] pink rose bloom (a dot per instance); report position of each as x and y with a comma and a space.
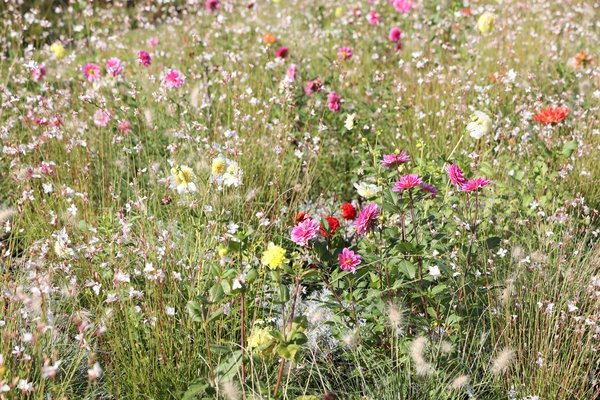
114, 66
403, 6
455, 174
305, 231
153, 42
474, 184
144, 58
393, 160
101, 118
291, 73
407, 182
125, 127
373, 17
395, 34
349, 260
91, 72
367, 218
282, 52
313, 87
212, 5
38, 72
427, 188
173, 79
345, 53
334, 102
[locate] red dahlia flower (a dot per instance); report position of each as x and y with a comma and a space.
551, 115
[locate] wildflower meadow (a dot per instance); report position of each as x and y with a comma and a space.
300, 199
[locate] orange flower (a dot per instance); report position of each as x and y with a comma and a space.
269, 38
582, 59
551, 114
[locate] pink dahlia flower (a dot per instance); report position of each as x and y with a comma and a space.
91, 72
345, 53
407, 182
395, 34
334, 102
456, 175
367, 218
474, 184
114, 66
349, 260
144, 58
173, 79
393, 160
305, 231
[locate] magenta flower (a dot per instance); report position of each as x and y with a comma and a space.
407, 182
373, 17
349, 260
38, 72
114, 66
367, 218
395, 34
101, 118
305, 231
172, 79
393, 160
291, 73
334, 102
345, 53
426, 187
403, 6
91, 72
474, 184
124, 127
144, 58
282, 52
455, 174
313, 87
212, 5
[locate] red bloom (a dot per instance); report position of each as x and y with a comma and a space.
282, 52
333, 223
348, 212
551, 115
300, 217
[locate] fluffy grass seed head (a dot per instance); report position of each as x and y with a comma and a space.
502, 361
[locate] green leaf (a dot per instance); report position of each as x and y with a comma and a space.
569, 148
229, 367
408, 269
196, 311
195, 389
493, 242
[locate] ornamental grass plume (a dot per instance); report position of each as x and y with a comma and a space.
396, 318
417, 354
502, 361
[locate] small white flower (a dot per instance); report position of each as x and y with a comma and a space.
367, 190
434, 272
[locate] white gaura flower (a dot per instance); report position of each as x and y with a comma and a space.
349, 124
480, 125
182, 179
435, 272
367, 190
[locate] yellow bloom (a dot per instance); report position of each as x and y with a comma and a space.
485, 23
58, 50
258, 337
274, 256
183, 177
339, 11
218, 166
222, 251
